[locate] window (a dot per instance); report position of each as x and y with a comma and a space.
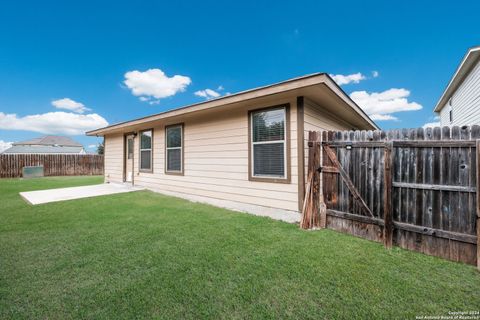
268, 145
450, 110
130, 148
174, 149
146, 144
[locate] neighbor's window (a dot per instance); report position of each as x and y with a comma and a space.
146, 150
174, 149
268, 149
450, 110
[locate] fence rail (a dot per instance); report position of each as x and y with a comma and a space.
417, 187
54, 165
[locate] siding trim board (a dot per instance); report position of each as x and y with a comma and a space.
287, 178
300, 151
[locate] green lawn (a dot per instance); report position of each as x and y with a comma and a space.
144, 255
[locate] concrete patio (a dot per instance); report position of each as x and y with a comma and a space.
63, 194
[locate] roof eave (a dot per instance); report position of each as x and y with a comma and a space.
288, 85
462, 70
352, 103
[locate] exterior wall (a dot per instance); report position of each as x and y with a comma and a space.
317, 119
465, 102
114, 158
216, 159
216, 163
444, 116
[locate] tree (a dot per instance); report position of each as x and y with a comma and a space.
101, 147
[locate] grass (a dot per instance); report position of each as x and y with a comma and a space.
144, 255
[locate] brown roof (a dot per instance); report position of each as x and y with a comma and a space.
298, 83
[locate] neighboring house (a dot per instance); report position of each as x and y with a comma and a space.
46, 145
460, 102
245, 151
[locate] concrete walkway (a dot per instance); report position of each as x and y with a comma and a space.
62, 194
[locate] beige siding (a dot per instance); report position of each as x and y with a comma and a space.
114, 158
317, 119
216, 158
216, 161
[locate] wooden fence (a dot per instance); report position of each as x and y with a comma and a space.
414, 188
54, 165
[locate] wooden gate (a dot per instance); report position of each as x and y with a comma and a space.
414, 188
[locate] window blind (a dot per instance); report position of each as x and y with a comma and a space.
174, 148
268, 142
146, 150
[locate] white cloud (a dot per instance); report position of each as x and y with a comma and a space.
154, 83
69, 104
207, 94
4, 145
375, 74
92, 146
220, 88
53, 122
341, 79
383, 117
383, 104
432, 124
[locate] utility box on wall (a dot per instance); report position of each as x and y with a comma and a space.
32, 172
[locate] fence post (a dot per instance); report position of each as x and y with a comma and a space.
310, 213
322, 206
477, 153
387, 197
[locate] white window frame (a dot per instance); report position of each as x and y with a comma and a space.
130, 148
151, 151
284, 141
167, 148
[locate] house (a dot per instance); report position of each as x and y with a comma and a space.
245, 151
460, 102
46, 145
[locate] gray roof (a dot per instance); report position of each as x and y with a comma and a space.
47, 144
50, 141
44, 149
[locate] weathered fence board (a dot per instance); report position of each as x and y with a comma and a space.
424, 199
54, 164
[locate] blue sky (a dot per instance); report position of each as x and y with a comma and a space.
76, 55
